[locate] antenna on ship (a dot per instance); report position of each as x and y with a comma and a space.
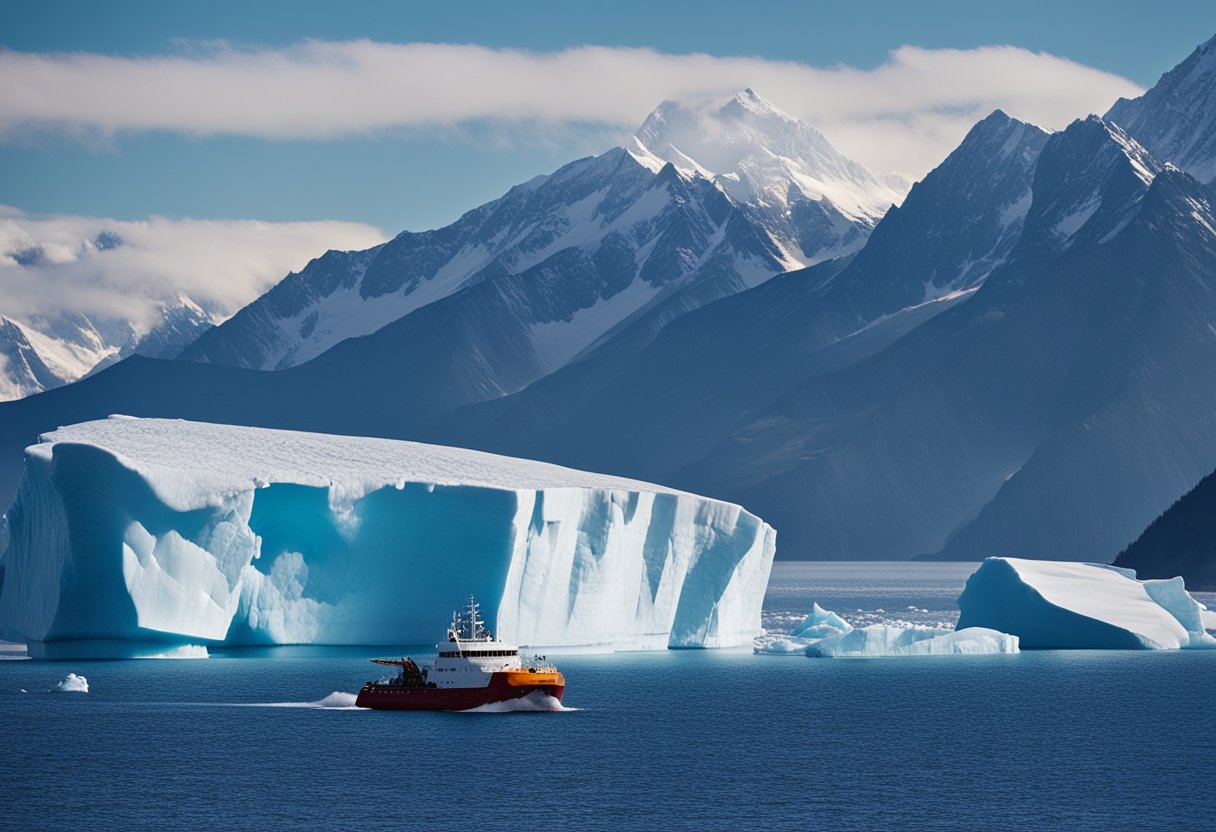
477, 628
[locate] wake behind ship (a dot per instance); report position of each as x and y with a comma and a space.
471, 670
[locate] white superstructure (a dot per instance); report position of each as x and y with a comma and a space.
470, 656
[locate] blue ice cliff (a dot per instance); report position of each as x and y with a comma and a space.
174, 531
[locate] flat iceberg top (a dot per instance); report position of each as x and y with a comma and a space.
227, 458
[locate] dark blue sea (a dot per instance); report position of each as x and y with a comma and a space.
699, 740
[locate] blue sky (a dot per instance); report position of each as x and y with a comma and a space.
417, 173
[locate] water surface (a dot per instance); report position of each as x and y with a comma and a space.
701, 740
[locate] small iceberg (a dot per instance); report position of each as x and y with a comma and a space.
821, 623
1064, 605
72, 684
885, 640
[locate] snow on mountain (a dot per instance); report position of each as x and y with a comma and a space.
33, 359
815, 202
201, 539
924, 256
1176, 119
622, 241
601, 239
1054, 413
42, 354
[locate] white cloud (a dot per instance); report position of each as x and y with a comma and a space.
125, 270
902, 116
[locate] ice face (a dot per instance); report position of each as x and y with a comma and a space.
181, 532
1055, 604
885, 640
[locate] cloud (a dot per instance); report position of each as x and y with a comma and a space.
126, 270
902, 116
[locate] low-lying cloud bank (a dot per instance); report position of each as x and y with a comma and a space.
127, 270
902, 116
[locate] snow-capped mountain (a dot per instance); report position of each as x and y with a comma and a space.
816, 202
1176, 119
1052, 414
1020, 359
44, 353
647, 232
931, 252
1055, 396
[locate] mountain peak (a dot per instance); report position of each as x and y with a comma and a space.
1089, 181
1176, 119
761, 156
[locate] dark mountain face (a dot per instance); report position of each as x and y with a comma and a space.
1176, 119
1182, 541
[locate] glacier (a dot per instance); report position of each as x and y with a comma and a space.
156, 530
1066, 605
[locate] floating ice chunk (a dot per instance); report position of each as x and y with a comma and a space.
821, 623
780, 645
1063, 605
183, 651
72, 684
885, 640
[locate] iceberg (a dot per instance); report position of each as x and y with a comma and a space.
1065, 605
72, 684
177, 532
886, 640
821, 623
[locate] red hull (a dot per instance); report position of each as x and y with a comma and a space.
396, 698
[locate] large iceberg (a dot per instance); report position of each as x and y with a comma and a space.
175, 531
1055, 604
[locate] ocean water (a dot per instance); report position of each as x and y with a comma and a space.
699, 740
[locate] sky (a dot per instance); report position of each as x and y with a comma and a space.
351, 122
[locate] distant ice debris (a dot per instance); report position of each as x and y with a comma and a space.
1064, 605
824, 634
885, 640
72, 684
780, 645
13, 650
184, 651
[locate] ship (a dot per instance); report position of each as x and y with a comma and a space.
472, 669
